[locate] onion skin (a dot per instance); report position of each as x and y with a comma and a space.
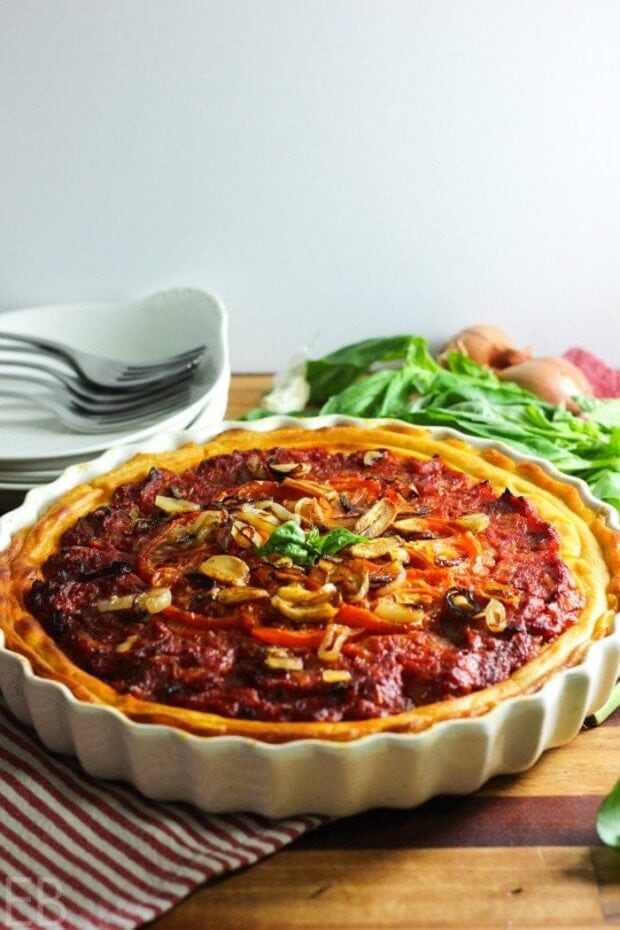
554, 379
486, 345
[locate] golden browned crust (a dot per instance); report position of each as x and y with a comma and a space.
590, 548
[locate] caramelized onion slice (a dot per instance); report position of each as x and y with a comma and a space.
372, 456
474, 522
240, 595
312, 512
462, 603
153, 601
265, 523
335, 675
245, 536
311, 488
336, 635
410, 525
227, 569
174, 505
396, 571
278, 510
192, 531
296, 469
297, 594
398, 613
352, 578
377, 519
495, 616
279, 658
377, 548
116, 602
304, 610
127, 644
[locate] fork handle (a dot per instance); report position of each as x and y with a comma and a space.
47, 345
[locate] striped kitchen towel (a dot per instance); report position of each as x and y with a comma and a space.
80, 854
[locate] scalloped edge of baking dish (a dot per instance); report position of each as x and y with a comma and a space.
229, 773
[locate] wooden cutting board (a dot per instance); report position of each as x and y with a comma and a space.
520, 853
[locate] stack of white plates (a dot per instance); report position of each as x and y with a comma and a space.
35, 447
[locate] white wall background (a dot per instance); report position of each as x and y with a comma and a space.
333, 169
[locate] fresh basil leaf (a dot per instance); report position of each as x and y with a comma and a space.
257, 413
608, 818
606, 412
398, 393
340, 369
362, 354
289, 539
362, 399
337, 539
326, 379
313, 539
332, 541
419, 356
289, 532
462, 365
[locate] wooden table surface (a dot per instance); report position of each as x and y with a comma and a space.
520, 853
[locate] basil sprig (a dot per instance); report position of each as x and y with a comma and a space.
608, 818
398, 377
305, 549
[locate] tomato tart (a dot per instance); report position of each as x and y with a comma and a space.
324, 583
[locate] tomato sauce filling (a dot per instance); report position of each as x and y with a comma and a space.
391, 582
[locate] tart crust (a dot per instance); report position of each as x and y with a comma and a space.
588, 546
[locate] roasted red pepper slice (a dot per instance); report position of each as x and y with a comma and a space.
359, 617
201, 621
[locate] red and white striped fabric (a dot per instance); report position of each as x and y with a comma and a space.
78, 854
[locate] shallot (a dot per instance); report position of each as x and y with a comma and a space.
486, 345
553, 379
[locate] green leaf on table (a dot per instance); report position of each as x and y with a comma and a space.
608, 818
260, 413
609, 707
363, 398
606, 412
256, 413
341, 369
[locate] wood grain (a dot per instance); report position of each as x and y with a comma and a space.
534, 887
246, 392
569, 770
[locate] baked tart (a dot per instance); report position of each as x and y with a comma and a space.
326, 583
